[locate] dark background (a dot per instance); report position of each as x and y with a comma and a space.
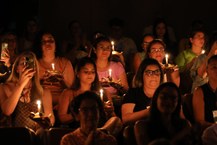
54, 15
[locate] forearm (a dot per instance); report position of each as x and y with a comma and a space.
202, 69
66, 118
174, 77
129, 118
204, 124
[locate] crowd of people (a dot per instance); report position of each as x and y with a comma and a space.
101, 85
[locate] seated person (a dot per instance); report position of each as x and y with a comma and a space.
157, 50
164, 120
56, 72
204, 97
87, 108
110, 72
137, 100
198, 70
86, 79
54, 69
122, 43
186, 59
20, 93
139, 56
9, 51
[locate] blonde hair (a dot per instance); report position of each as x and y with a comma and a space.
37, 89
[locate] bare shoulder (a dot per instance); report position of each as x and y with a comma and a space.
7, 87
68, 93
63, 60
198, 95
198, 92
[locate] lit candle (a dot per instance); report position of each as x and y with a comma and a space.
110, 73
166, 57
39, 105
113, 45
203, 51
53, 66
101, 94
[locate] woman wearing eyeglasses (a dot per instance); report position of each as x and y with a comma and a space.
137, 100
56, 72
156, 50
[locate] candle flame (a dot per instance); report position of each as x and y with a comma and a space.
53, 66
166, 57
101, 94
113, 45
39, 105
203, 51
110, 73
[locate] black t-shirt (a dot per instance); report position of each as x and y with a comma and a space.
209, 102
137, 97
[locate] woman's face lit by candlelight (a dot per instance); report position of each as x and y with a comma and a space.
157, 51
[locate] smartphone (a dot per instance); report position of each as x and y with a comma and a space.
4, 47
29, 63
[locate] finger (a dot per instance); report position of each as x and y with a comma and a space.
31, 74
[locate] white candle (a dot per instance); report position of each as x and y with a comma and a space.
166, 57
53, 66
39, 105
110, 73
113, 45
101, 94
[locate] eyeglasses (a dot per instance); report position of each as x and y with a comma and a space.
43, 42
157, 50
152, 72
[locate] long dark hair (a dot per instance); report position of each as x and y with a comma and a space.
154, 112
155, 119
37, 47
96, 41
81, 63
